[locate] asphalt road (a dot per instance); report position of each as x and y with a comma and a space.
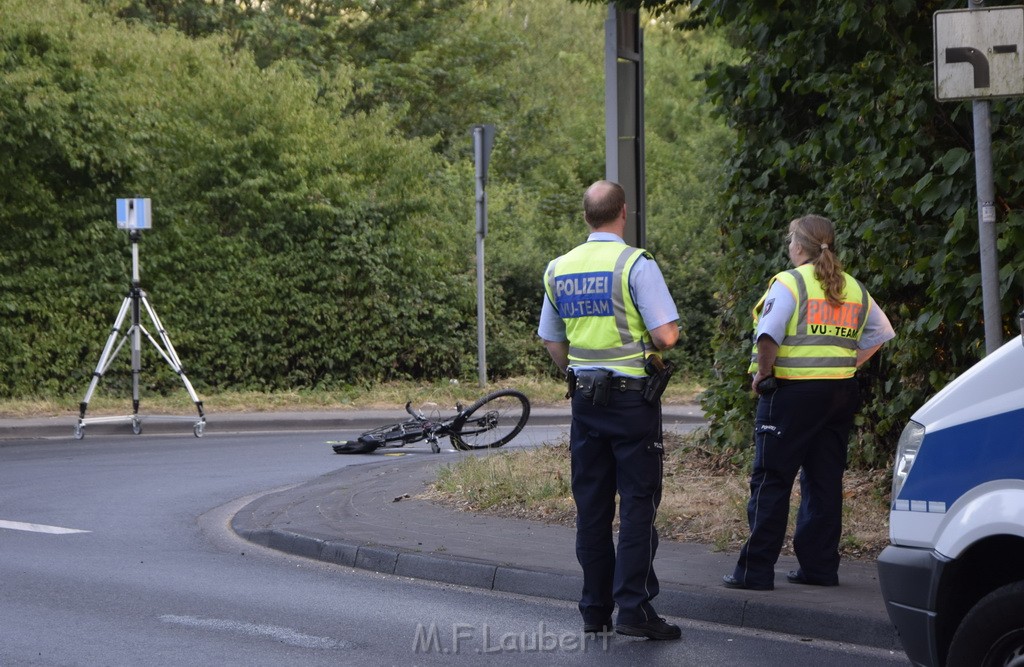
156, 577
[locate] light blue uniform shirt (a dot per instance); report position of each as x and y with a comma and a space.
646, 287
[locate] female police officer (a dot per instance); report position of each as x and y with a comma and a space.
813, 327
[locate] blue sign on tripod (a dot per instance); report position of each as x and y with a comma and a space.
134, 213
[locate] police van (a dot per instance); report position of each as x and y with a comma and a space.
953, 574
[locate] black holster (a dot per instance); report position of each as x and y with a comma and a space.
658, 374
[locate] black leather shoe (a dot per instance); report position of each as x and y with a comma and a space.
730, 581
604, 626
797, 577
656, 628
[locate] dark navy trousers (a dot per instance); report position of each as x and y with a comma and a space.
616, 448
801, 426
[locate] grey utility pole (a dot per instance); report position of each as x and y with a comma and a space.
624, 116
483, 141
978, 56
987, 218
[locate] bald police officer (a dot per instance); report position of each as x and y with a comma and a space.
606, 313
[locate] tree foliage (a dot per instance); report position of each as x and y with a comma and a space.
286, 236
311, 171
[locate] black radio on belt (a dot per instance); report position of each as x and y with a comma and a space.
767, 385
593, 386
570, 382
602, 388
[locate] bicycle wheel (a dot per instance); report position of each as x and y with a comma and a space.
492, 421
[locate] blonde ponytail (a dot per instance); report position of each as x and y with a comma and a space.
816, 236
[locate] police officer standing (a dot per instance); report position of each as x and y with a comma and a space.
812, 328
606, 316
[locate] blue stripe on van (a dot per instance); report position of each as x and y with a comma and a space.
954, 460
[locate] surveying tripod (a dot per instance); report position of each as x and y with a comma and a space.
134, 302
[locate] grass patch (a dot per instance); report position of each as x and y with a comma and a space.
704, 499
541, 391
531, 483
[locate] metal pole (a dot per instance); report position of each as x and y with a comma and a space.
136, 290
481, 231
987, 226
641, 149
611, 97
624, 116
992, 312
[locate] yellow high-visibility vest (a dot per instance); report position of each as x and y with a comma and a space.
589, 287
821, 339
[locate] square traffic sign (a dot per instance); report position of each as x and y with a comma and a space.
979, 53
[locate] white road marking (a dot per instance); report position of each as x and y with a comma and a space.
39, 528
274, 632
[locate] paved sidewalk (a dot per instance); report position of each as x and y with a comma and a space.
371, 516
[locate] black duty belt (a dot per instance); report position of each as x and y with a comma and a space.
615, 382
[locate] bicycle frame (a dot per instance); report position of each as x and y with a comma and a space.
490, 422
422, 428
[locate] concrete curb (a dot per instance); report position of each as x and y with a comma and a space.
245, 422
672, 601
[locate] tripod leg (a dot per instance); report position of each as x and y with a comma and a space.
136, 296
101, 367
171, 357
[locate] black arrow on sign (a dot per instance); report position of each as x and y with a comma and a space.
977, 59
